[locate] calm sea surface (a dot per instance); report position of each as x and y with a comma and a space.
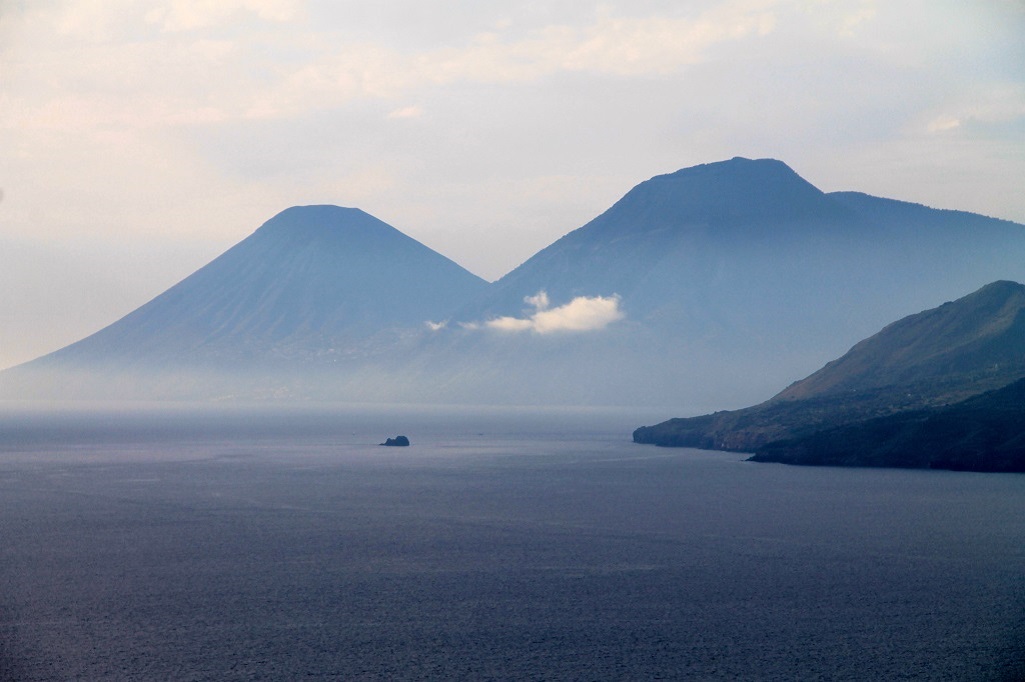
503, 544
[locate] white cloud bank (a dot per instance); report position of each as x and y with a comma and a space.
582, 314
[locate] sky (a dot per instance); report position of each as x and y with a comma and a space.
140, 139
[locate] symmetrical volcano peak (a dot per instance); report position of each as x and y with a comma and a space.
325, 224
310, 280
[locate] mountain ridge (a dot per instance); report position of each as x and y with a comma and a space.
927, 339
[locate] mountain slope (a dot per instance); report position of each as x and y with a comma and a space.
315, 288
983, 433
732, 278
978, 340
309, 278
942, 355
664, 228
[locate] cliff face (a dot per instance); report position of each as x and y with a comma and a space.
936, 357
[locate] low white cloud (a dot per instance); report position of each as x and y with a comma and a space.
436, 326
509, 324
539, 301
582, 314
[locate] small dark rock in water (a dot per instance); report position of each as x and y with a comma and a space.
400, 441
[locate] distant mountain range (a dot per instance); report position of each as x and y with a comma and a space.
888, 401
710, 286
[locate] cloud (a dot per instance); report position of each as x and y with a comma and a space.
619, 45
413, 111
188, 15
538, 301
172, 64
582, 314
851, 22
509, 324
943, 123
991, 105
579, 315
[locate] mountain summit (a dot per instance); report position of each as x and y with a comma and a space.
727, 193
675, 234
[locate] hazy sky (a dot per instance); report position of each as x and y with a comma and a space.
141, 139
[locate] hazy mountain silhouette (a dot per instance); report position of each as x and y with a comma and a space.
710, 286
314, 287
733, 278
670, 230
933, 358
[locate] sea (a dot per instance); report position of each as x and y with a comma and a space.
284, 543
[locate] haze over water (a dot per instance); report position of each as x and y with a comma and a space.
500, 545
